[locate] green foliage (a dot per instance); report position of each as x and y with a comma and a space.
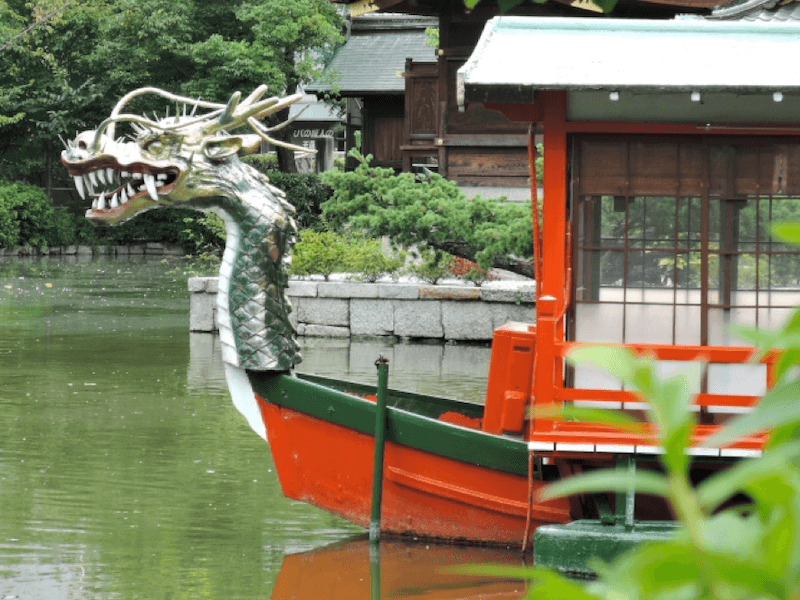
432, 37
365, 257
318, 252
325, 252
64, 64
9, 227
431, 265
26, 216
263, 163
430, 211
306, 192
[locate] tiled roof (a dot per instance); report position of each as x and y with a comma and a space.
373, 62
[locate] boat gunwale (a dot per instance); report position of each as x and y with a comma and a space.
403, 427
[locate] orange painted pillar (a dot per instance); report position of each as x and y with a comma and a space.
550, 304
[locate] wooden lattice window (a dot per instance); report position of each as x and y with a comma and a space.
672, 240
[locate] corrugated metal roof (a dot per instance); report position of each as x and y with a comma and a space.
374, 63
518, 55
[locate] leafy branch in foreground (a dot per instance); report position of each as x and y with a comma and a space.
429, 212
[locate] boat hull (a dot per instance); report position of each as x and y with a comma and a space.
426, 493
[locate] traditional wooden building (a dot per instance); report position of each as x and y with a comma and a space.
471, 145
370, 77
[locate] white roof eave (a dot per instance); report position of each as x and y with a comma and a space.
516, 56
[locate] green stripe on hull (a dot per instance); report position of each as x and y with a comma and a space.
419, 429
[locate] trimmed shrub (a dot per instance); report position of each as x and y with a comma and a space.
26, 215
324, 253
318, 253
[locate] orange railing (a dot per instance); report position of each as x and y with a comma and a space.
552, 433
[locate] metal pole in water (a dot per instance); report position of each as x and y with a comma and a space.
377, 460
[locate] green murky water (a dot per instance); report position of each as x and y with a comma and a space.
125, 471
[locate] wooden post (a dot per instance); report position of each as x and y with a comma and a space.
377, 459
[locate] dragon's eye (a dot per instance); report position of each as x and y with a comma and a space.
154, 146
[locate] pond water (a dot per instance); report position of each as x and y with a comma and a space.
125, 471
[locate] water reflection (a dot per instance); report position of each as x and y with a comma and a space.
396, 568
458, 371
125, 472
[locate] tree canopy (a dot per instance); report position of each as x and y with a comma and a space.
64, 63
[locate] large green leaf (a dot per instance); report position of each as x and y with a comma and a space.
745, 474
779, 406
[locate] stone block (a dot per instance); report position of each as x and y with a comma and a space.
371, 317
305, 289
347, 289
449, 292
515, 292
84, 250
467, 320
418, 318
326, 331
197, 284
398, 291
201, 312
323, 311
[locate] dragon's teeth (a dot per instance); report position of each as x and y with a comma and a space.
94, 203
114, 201
93, 178
138, 176
125, 174
101, 201
150, 184
101, 175
79, 186
110, 174
161, 176
123, 196
130, 190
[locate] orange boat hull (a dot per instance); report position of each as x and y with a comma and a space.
426, 495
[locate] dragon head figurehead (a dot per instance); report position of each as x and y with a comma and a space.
191, 161
169, 161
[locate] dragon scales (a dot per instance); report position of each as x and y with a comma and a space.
189, 161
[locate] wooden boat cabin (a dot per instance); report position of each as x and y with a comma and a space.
670, 147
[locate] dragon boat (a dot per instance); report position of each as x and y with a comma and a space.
655, 237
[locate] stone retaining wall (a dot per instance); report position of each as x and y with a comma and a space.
405, 310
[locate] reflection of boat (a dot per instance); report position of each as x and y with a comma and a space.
352, 570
